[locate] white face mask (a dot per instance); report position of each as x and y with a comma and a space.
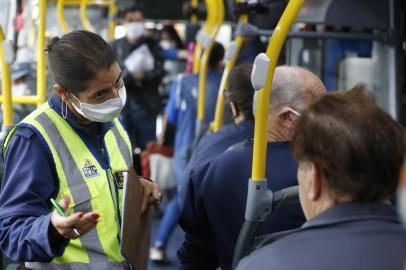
134, 29
167, 44
20, 89
103, 112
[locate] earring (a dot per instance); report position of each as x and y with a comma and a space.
64, 112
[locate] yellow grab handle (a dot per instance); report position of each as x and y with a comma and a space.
112, 19
61, 16
262, 110
216, 17
41, 79
6, 84
83, 15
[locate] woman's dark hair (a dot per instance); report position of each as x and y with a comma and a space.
173, 34
216, 55
357, 147
240, 91
75, 58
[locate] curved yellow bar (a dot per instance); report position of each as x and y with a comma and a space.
61, 16
261, 116
219, 114
112, 19
83, 15
41, 79
262, 110
5, 85
217, 7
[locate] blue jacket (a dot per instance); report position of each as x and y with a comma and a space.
182, 112
29, 181
215, 216
211, 145
349, 236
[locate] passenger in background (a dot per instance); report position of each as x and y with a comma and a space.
142, 65
214, 218
181, 111
350, 153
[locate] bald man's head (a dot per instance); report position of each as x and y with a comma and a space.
293, 88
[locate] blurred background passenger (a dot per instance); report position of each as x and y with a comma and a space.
347, 178
142, 64
181, 111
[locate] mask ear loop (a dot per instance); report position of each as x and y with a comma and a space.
64, 112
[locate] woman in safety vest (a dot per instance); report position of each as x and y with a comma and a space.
75, 150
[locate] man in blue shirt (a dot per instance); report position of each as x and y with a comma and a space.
181, 112
214, 214
347, 177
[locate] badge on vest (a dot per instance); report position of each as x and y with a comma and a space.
120, 177
89, 169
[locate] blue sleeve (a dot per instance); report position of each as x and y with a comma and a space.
198, 248
170, 54
171, 108
29, 182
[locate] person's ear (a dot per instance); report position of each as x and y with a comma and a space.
315, 183
61, 92
286, 117
234, 109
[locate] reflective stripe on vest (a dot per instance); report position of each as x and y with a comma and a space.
91, 187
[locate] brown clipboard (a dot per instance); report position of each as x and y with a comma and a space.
136, 229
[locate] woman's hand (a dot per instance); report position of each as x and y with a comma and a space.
152, 194
82, 222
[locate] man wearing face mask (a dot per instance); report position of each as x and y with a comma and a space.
142, 65
210, 238
20, 72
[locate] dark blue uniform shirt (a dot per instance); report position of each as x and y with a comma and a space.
213, 220
349, 236
211, 145
29, 181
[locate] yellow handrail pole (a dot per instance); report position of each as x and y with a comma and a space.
112, 19
193, 17
83, 16
22, 99
5, 85
215, 22
239, 41
41, 79
61, 16
261, 116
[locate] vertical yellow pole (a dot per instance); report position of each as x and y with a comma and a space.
112, 19
83, 16
261, 117
61, 16
5, 85
216, 16
219, 114
41, 79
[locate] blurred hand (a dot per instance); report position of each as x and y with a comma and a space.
151, 195
82, 222
183, 54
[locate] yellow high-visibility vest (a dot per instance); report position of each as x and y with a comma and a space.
90, 187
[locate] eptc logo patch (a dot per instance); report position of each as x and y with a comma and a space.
89, 169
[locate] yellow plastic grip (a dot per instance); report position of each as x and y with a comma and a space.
41, 79
61, 16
